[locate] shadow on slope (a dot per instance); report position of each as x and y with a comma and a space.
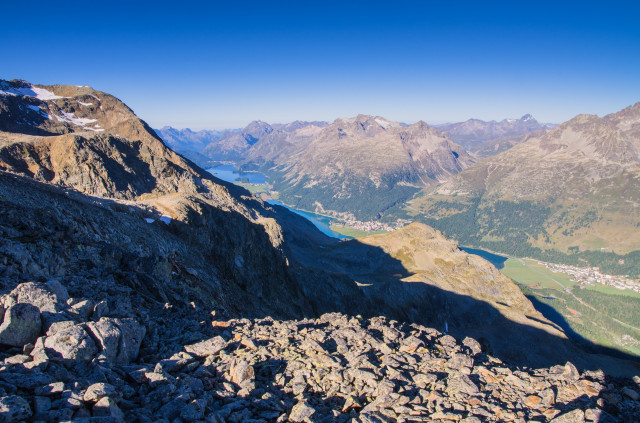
356, 278
172, 276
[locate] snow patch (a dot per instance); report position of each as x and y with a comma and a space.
84, 104
165, 219
70, 118
385, 123
149, 220
31, 91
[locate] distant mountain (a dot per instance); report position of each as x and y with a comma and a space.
232, 145
498, 145
237, 145
573, 189
186, 139
359, 166
474, 132
294, 126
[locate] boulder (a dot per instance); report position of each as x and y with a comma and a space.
107, 334
21, 325
301, 412
58, 290
574, 416
14, 409
119, 339
38, 295
205, 348
73, 344
107, 407
132, 335
97, 391
242, 374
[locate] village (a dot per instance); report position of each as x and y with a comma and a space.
370, 226
586, 276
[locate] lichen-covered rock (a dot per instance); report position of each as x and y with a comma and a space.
21, 325
301, 412
38, 295
242, 374
72, 344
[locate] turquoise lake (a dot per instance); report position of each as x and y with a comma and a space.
230, 173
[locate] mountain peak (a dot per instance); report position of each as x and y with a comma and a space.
526, 118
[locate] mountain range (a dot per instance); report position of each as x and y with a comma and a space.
473, 133
572, 189
380, 163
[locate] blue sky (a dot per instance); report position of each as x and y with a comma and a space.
223, 64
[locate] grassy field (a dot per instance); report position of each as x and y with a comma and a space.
590, 318
355, 233
255, 188
529, 272
613, 291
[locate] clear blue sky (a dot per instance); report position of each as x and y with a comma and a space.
223, 64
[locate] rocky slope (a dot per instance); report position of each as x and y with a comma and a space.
472, 133
330, 369
498, 145
575, 186
302, 265
117, 254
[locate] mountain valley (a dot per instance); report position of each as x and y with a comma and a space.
135, 286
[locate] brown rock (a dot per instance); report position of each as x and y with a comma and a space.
532, 401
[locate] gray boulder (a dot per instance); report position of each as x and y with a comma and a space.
97, 391
208, 347
36, 294
56, 288
119, 339
72, 343
21, 325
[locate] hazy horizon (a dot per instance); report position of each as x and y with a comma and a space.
219, 66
